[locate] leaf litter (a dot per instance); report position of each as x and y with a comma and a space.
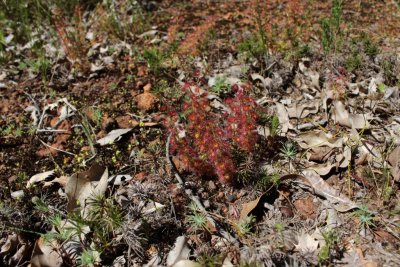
344, 125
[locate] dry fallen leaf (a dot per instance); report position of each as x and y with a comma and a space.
81, 186
45, 255
394, 160
62, 180
318, 138
39, 177
179, 252
113, 136
306, 244
344, 118
340, 202
283, 118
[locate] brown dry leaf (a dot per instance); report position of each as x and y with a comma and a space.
81, 186
249, 207
45, 255
146, 101
394, 160
10, 244
320, 154
283, 118
318, 186
147, 88
142, 70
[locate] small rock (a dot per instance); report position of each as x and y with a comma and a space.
220, 195
126, 121
146, 101
286, 212
141, 176
17, 194
206, 204
306, 207
211, 185
231, 198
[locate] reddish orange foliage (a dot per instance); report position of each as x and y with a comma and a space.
190, 45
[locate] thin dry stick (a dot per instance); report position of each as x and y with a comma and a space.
49, 146
196, 199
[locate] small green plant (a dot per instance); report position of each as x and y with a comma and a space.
209, 261
365, 216
89, 258
221, 85
155, 58
266, 180
244, 226
253, 47
197, 220
331, 239
332, 35
381, 88
288, 151
8, 129
274, 125
354, 61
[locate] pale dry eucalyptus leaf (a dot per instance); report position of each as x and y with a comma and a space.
85, 185
344, 118
45, 254
283, 118
340, 202
394, 161
39, 177
10, 244
317, 139
113, 136
302, 110
306, 244
179, 252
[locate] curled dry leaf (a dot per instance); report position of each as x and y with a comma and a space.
344, 118
283, 118
10, 244
301, 111
39, 177
318, 186
62, 180
317, 139
113, 136
249, 207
